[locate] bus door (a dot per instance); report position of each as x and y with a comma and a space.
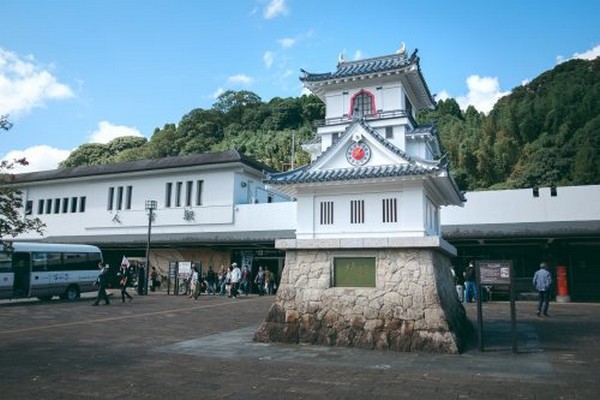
22, 271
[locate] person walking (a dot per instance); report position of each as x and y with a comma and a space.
154, 279
259, 280
124, 282
101, 282
194, 283
211, 281
236, 276
542, 281
245, 281
470, 286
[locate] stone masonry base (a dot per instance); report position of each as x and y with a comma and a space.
414, 306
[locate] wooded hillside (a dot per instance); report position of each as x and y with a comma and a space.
544, 133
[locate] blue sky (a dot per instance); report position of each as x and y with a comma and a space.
75, 72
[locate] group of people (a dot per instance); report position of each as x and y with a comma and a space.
466, 286
231, 282
125, 277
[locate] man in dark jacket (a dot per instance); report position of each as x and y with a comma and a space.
102, 281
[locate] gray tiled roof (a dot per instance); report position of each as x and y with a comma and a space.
361, 67
223, 157
302, 175
414, 166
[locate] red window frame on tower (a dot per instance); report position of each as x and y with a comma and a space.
353, 101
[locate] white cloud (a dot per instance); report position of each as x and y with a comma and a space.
107, 132
40, 158
483, 93
24, 84
590, 54
240, 79
275, 8
268, 58
358, 55
218, 92
286, 42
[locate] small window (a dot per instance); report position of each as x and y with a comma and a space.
389, 132
536, 192
111, 196
128, 193
390, 210
120, 198
56, 206
29, 207
73, 204
553, 192
362, 104
168, 191
199, 189
178, 186
48, 206
82, 204
189, 185
40, 206
326, 211
357, 211
65, 205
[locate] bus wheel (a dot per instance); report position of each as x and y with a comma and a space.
71, 294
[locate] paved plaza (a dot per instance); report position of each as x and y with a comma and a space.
172, 347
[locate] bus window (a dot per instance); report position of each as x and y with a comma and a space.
39, 262
73, 261
5, 263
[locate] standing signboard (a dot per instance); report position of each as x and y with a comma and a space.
496, 273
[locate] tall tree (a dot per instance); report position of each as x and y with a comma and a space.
12, 220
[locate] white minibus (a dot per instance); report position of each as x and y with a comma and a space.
44, 270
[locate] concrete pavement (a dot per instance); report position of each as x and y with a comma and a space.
161, 346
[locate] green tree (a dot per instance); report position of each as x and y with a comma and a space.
12, 221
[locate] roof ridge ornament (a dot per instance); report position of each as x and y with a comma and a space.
341, 58
402, 50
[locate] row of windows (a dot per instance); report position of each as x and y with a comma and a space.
119, 198
357, 211
50, 261
57, 206
174, 192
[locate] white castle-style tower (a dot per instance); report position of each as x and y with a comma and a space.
368, 267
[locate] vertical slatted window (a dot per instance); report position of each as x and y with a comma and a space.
168, 191
189, 185
73, 204
111, 196
326, 213
357, 212
128, 193
119, 197
390, 210
82, 204
65, 205
40, 206
178, 187
199, 188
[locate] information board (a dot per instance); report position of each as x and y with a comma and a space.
494, 272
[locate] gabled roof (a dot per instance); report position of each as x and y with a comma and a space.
370, 67
412, 167
223, 157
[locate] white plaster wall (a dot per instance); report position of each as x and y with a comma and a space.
572, 203
410, 222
